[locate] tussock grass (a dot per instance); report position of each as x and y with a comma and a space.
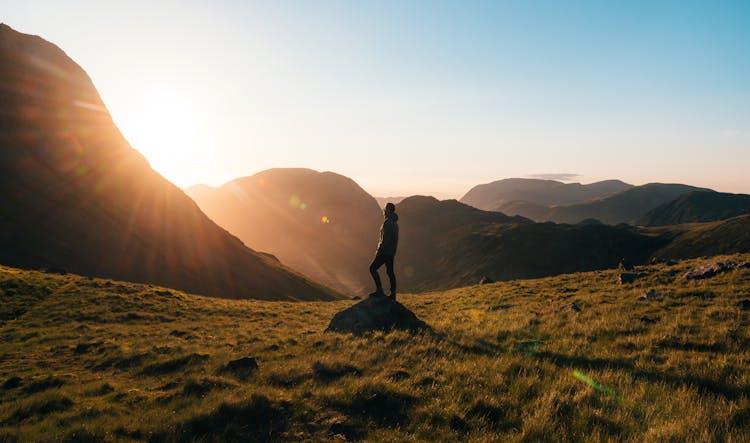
92, 359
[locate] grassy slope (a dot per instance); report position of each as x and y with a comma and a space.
124, 361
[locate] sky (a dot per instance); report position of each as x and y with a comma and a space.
410, 97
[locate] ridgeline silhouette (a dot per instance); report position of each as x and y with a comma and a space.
76, 196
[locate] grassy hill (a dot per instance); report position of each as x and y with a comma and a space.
99, 360
705, 239
696, 207
321, 224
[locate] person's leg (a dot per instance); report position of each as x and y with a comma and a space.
391, 275
377, 262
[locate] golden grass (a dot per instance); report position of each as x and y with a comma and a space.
104, 360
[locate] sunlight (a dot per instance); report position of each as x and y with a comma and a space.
167, 129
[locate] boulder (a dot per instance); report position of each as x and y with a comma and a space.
709, 270
375, 314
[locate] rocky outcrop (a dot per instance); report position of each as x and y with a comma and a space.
709, 270
375, 314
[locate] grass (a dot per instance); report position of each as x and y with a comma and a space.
92, 359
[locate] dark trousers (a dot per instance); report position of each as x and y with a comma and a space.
379, 261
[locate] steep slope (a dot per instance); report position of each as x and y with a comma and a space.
319, 223
447, 244
623, 207
492, 196
699, 206
706, 239
77, 196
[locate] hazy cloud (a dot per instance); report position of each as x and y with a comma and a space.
730, 132
561, 176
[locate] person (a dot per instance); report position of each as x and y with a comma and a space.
386, 251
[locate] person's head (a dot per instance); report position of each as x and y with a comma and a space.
390, 208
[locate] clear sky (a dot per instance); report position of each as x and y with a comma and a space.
413, 97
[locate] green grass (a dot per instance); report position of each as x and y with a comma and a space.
92, 359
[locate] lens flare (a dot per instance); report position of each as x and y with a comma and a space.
325, 219
294, 201
598, 386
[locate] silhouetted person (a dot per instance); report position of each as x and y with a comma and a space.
386, 251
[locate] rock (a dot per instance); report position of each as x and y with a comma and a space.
572, 307
242, 367
650, 295
375, 314
486, 281
743, 304
648, 320
627, 277
709, 270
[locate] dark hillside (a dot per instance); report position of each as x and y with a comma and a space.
696, 207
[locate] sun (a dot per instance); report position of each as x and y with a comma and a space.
167, 129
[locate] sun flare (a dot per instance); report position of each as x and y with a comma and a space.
167, 130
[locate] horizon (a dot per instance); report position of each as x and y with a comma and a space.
443, 97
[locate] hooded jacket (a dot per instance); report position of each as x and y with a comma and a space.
389, 235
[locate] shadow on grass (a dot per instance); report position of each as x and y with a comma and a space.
376, 402
701, 384
255, 419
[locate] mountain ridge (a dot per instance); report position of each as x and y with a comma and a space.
79, 197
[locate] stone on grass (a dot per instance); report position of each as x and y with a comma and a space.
375, 314
708, 270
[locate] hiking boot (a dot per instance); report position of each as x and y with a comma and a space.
377, 293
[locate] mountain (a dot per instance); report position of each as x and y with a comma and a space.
705, 239
76, 196
492, 196
622, 207
446, 244
320, 223
699, 206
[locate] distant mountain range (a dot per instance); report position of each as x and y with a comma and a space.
496, 195
77, 197
447, 244
610, 201
320, 223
